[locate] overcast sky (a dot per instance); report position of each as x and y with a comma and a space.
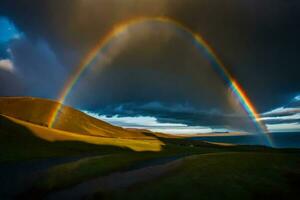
156, 73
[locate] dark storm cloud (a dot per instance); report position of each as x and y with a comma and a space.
37, 67
35, 70
10, 84
257, 40
3, 51
150, 70
74, 23
182, 114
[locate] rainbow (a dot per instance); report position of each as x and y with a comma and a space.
198, 41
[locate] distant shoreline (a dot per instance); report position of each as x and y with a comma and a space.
280, 139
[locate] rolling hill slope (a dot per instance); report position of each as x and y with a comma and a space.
38, 111
31, 115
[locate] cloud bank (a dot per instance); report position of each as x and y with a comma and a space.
7, 65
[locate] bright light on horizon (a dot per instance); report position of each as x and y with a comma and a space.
284, 127
152, 124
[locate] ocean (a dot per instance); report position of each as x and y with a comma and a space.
279, 140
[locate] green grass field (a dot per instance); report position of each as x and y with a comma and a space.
222, 176
179, 169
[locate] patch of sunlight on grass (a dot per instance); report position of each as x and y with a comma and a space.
52, 135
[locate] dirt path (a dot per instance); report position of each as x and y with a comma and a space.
154, 169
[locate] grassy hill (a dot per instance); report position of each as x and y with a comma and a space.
38, 111
18, 143
25, 117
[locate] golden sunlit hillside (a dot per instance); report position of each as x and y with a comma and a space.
73, 125
39, 111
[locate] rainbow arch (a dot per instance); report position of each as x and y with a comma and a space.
198, 42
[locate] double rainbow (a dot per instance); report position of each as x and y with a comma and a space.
198, 42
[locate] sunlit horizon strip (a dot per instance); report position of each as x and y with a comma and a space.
199, 43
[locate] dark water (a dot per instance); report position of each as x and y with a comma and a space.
278, 140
